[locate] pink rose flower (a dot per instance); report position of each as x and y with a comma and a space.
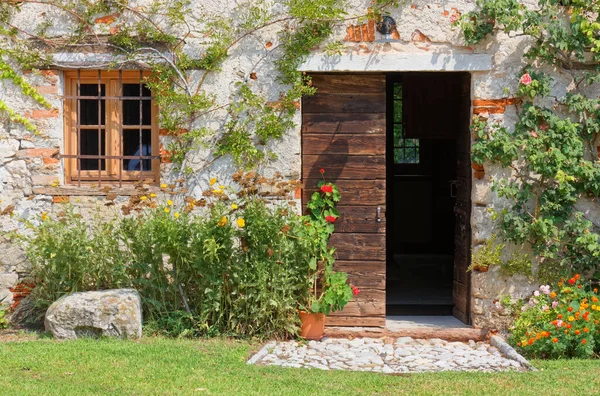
536, 293
559, 323
554, 304
545, 308
545, 289
526, 79
454, 17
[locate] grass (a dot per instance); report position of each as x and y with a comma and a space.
218, 366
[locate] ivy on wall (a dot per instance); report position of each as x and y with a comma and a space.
155, 35
551, 151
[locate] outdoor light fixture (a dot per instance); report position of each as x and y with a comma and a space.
386, 27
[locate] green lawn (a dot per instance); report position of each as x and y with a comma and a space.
218, 366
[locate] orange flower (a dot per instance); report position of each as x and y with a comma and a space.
577, 276
579, 286
584, 341
570, 309
595, 299
559, 316
577, 332
569, 326
595, 290
586, 330
560, 284
553, 295
531, 341
555, 340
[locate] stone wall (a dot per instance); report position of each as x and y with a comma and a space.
32, 177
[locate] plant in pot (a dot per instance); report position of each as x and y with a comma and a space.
327, 290
486, 255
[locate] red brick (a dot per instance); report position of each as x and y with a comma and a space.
419, 36
42, 152
49, 73
489, 110
349, 34
298, 193
52, 113
357, 33
47, 89
107, 19
494, 102
60, 199
50, 160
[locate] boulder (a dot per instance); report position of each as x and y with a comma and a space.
111, 313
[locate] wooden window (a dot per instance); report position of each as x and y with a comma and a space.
111, 131
406, 151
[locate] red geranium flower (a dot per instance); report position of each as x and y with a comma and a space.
322, 170
555, 340
327, 188
584, 341
330, 219
570, 309
526, 79
355, 290
571, 281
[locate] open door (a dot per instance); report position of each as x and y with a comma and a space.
462, 208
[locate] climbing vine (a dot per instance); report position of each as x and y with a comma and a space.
161, 35
551, 152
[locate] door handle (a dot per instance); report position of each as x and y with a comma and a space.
379, 214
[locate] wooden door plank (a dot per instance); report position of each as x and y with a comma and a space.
363, 274
359, 246
355, 193
344, 321
349, 144
349, 83
370, 302
340, 123
351, 167
360, 219
344, 103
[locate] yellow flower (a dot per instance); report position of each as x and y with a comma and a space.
167, 210
212, 181
571, 318
217, 191
222, 222
234, 206
241, 222
176, 214
169, 202
152, 195
44, 216
143, 198
55, 183
163, 186
222, 187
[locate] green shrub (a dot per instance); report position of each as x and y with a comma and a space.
559, 322
68, 254
238, 268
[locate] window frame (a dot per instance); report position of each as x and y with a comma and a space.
113, 172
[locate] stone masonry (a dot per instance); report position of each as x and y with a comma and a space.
32, 175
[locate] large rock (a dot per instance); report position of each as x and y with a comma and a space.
112, 313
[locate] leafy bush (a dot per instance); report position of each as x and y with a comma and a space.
238, 268
559, 322
68, 254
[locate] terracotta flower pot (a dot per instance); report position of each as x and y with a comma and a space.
313, 325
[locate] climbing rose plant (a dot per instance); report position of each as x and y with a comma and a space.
551, 151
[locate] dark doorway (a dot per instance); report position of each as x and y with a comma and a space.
427, 148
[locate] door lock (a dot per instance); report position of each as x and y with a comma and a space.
379, 214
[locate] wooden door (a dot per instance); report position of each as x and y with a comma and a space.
343, 132
462, 209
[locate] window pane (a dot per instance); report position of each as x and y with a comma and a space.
131, 146
397, 111
88, 145
88, 108
397, 135
398, 91
131, 108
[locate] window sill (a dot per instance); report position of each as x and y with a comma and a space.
88, 190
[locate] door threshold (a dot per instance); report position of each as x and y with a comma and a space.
423, 322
